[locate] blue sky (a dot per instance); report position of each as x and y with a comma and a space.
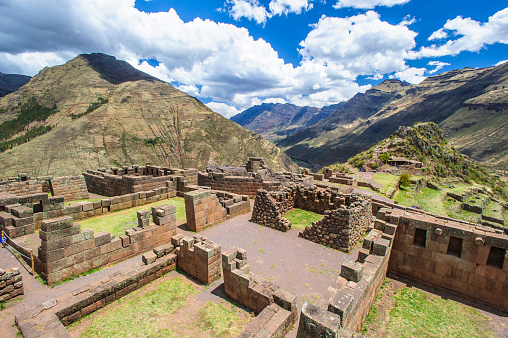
233, 54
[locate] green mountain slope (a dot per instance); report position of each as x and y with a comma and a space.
106, 113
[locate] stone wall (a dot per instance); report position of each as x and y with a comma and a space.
11, 284
106, 184
48, 319
15, 220
236, 184
268, 211
465, 259
198, 256
343, 308
67, 251
258, 294
205, 208
71, 188
24, 185
343, 227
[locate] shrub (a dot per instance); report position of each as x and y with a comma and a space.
374, 165
405, 180
384, 157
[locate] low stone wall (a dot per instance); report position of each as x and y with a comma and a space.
198, 256
205, 208
17, 220
67, 251
465, 259
108, 184
268, 212
236, 184
347, 180
82, 210
343, 308
493, 219
343, 227
276, 308
368, 185
11, 284
71, 188
48, 319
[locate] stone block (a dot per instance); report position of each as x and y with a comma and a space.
380, 246
22, 211
149, 257
352, 271
102, 238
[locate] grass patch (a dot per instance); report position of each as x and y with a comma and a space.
138, 314
386, 181
417, 314
117, 222
220, 320
302, 218
429, 199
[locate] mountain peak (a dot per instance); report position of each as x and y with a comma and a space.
113, 70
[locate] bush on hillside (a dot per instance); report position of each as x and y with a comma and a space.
404, 180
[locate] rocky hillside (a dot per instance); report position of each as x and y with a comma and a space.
425, 142
470, 105
96, 111
11, 82
276, 120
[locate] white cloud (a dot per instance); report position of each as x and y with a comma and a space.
250, 9
411, 75
438, 64
501, 62
470, 35
218, 61
368, 4
279, 7
222, 108
358, 45
408, 20
438, 35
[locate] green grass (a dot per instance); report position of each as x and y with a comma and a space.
220, 320
138, 314
302, 218
386, 181
493, 209
452, 208
116, 223
417, 314
429, 199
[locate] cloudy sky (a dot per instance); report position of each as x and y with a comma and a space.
233, 54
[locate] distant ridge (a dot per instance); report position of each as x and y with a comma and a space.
276, 120
11, 82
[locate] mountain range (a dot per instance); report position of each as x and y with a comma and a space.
470, 105
275, 121
96, 111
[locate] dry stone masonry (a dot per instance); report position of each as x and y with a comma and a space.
11, 284
342, 228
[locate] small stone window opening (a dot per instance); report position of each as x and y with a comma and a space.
420, 237
455, 246
496, 257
